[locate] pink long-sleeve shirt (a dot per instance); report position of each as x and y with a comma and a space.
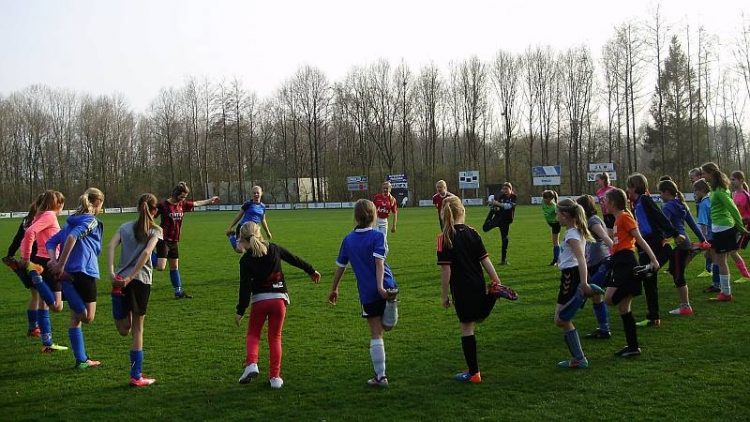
742, 200
45, 225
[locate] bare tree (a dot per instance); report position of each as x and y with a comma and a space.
506, 75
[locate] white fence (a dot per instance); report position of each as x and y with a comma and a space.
535, 200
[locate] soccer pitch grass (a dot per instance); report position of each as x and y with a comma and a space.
692, 368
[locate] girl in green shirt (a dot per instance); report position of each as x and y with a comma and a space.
549, 209
726, 222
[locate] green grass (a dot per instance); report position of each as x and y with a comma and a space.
693, 368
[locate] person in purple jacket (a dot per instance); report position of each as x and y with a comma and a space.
80, 243
678, 214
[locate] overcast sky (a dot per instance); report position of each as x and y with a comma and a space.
136, 47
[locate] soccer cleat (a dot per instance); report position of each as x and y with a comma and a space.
552, 263
599, 334
182, 295
712, 289
500, 291
721, 297
30, 266
642, 271
504, 262
34, 332
389, 319
741, 280
377, 381
627, 352
468, 378
277, 382
682, 310
250, 372
11, 263
53, 348
705, 274
88, 364
574, 363
141, 382
649, 323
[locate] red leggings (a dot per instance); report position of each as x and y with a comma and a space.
275, 311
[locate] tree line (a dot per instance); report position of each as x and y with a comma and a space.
498, 116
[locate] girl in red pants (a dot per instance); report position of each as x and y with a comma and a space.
262, 284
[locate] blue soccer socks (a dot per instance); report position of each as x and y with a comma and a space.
574, 344
76, 342
45, 326
136, 363
31, 315
118, 305
174, 277
44, 291
602, 315
73, 298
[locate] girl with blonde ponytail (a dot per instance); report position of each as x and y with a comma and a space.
80, 243
574, 285
131, 281
263, 287
461, 255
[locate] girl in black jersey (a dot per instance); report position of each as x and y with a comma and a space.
461, 255
262, 284
504, 203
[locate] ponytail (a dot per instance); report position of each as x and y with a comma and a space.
671, 187
145, 222
452, 209
33, 209
717, 179
250, 233
87, 200
739, 175
550, 194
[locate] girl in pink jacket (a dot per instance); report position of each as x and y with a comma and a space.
49, 288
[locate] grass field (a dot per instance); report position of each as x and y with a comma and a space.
692, 368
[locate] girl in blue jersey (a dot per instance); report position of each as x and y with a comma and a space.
703, 204
678, 214
254, 211
80, 243
462, 256
365, 249
131, 281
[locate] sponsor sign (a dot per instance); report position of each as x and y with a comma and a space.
398, 181
546, 175
356, 183
468, 179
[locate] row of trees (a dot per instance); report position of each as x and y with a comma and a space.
501, 117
